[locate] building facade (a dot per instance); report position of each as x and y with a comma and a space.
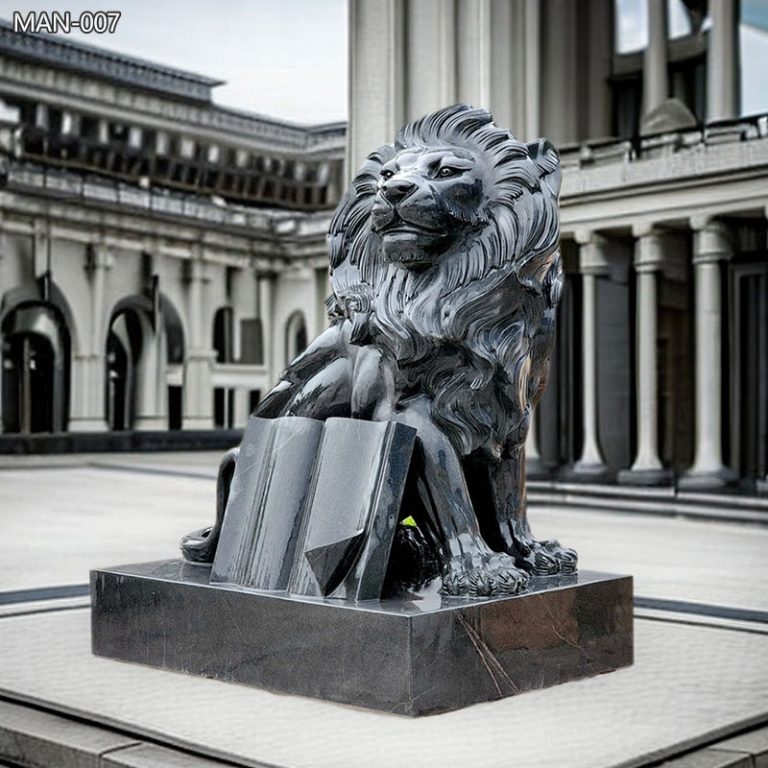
661, 369
161, 257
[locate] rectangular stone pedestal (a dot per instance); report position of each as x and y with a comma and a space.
410, 657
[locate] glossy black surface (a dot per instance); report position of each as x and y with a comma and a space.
313, 507
409, 656
446, 276
353, 509
266, 504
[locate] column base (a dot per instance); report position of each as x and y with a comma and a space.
646, 477
150, 423
586, 473
87, 425
762, 487
713, 480
197, 422
536, 469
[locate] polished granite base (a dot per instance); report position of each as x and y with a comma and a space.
406, 656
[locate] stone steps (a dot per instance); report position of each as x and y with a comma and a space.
661, 501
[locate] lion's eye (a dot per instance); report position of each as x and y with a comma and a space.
446, 171
387, 174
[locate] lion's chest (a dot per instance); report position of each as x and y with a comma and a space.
473, 403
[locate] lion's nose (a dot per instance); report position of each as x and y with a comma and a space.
397, 189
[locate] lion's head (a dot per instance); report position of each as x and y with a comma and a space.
449, 237
427, 197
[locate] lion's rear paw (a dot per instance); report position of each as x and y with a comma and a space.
496, 576
549, 558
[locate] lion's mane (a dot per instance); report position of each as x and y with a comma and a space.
488, 304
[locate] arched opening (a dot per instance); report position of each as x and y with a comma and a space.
124, 346
35, 369
145, 342
295, 336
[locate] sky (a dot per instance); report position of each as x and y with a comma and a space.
632, 31
288, 58
282, 58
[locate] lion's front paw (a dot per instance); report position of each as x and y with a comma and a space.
548, 558
497, 575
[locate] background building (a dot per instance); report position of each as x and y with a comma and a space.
161, 257
662, 358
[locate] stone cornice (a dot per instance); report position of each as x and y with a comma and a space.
73, 90
689, 162
101, 63
77, 207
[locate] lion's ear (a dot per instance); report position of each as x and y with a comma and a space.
547, 159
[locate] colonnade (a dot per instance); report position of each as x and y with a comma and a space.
712, 247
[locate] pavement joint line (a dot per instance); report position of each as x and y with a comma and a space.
757, 725
651, 508
663, 605
39, 594
689, 620
702, 609
151, 470
44, 609
141, 738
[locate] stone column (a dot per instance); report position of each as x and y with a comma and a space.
266, 289
762, 483
534, 466
473, 52
198, 390
151, 385
723, 61
532, 68
712, 245
430, 56
593, 262
376, 76
655, 85
647, 468
88, 413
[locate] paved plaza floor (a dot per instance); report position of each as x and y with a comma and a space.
701, 671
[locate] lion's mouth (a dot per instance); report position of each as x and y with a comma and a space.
400, 226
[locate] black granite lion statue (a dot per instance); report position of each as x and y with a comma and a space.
446, 275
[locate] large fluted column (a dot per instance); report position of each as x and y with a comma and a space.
593, 262
655, 84
723, 61
198, 391
534, 465
266, 313
647, 468
473, 51
712, 244
89, 365
376, 76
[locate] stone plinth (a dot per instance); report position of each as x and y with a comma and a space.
410, 657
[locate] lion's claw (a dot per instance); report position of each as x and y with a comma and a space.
548, 558
496, 576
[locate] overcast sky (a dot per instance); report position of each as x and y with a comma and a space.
288, 58
284, 58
